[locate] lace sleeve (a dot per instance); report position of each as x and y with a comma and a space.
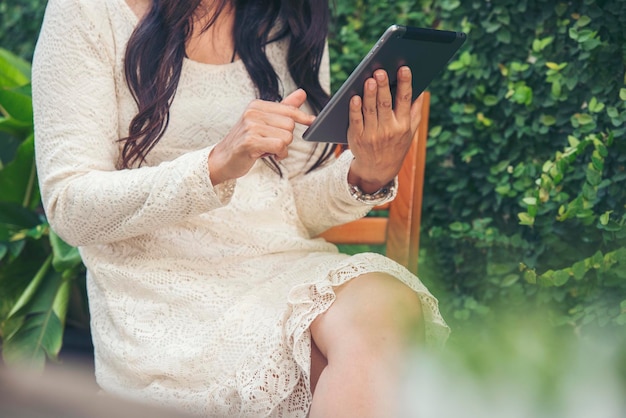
323, 197
87, 200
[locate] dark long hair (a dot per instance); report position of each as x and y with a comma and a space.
156, 49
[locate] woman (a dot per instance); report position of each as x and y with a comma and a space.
169, 151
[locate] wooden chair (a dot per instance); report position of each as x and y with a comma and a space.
399, 231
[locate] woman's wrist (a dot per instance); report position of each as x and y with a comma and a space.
368, 184
216, 174
375, 197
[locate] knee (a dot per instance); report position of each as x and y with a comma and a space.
371, 314
393, 310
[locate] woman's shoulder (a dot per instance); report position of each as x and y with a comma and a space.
74, 7
76, 24
93, 12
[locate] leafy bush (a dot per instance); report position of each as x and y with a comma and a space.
21, 20
37, 269
526, 165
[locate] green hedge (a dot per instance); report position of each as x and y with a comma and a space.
525, 192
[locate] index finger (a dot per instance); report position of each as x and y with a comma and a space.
295, 100
284, 109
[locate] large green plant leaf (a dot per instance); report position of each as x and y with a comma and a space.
8, 146
17, 103
15, 218
14, 71
15, 127
40, 334
65, 257
33, 287
17, 273
16, 113
18, 179
43, 307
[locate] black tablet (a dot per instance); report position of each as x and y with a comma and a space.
425, 51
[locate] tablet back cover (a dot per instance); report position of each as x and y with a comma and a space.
425, 51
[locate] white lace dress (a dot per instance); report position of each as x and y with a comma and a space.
201, 297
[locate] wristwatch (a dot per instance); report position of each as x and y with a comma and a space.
375, 197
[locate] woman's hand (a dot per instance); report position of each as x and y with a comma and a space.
265, 128
379, 136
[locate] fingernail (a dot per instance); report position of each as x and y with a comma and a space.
380, 76
371, 85
406, 71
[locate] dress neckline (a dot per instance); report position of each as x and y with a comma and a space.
134, 20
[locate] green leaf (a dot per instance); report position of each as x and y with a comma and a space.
456, 65
622, 94
547, 278
65, 257
540, 44
547, 120
503, 189
27, 296
526, 219
612, 112
503, 36
583, 21
594, 177
41, 334
595, 106
18, 129
523, 95
435, 131
556, 67
43, 307
14, 71
596, 260
15, 218
490, 100
579, 270
450, 4
560, 277
530, 276
18, 179
17, 104
556, 88
510, 280
573, 141
583, 118
61, 300
602, 149
459, 227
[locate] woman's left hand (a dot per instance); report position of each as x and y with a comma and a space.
379, 134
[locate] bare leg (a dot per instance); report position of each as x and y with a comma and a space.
318, 364
363, 337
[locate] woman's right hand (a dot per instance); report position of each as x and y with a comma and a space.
265, 128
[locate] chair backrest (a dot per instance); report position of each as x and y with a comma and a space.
400, 230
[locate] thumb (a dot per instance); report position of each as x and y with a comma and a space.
295, 99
